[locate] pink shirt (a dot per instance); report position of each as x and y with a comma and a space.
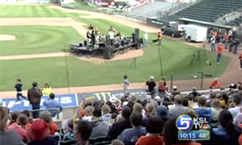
19, 131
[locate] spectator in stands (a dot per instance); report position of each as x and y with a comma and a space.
126, 84
51, 103
203, 111
18, 87
226, 132
100, 128
46, 116
174, 92
118, 127
26, 112
151, 86
106, 116
240, 58
236, 98
40, 132
191, 102
178, 109
1, 102
20, 127
7, 137
163, 113
69, 127
117, 142
220, 49
146, 39
238, 118
47, 90
185, 102
224, 100
83, 132
194, 93
131, 135
138, 108
14, 116
211, 96
34, 97
213, 43
214, 84
162, 88
154, 128
191, 113
216, 109
170, 134
150, 112
89, 112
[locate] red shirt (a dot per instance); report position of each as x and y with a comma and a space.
215, 84
220, 49
240, 140
149, 140
53, 128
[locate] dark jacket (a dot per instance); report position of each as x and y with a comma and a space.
18, 87
118, 127
34, 95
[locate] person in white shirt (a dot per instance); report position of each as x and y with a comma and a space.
126, 85
213, 41
236, 103
111, 35
146, 39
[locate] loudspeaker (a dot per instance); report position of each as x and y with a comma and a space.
133, 38
108, 52
102, 45
109, 42
137, 38
80, 45
85, 43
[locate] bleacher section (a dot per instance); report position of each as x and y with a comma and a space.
150, 9
207, 10
236, 22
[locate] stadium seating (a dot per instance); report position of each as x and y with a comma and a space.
236, 22
150, 9
207, 10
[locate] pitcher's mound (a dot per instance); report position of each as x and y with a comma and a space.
4, 37
128, 55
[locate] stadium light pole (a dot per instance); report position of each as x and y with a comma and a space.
159, 51
67, 72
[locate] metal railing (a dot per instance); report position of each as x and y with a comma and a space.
38, 110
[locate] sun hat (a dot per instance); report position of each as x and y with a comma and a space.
39, 130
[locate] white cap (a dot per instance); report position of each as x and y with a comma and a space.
125, 103
151, 77
157, 97
174, 87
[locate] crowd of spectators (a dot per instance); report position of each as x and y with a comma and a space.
130, 121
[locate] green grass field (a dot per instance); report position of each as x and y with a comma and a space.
37, 39
176, 56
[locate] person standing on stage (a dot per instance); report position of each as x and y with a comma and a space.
240, 61
126, 85
18, 87
160, 36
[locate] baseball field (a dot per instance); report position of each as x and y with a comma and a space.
35, 50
